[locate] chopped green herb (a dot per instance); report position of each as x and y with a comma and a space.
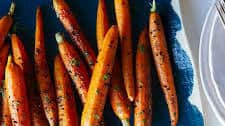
96, 116
141, 48
106, 76
91, 63
86, 54
116, 88
75, 62
118, 104
98, 91
144, 121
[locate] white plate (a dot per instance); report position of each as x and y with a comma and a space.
212, 63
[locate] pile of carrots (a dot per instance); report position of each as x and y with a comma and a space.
32, 98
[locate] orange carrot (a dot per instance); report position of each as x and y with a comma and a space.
65, 97
17, 97
6, 23
3, 59
100, 81
102, 23
42, 73
71, 25
162, 62
74, 65
118, 97
124, 26
6, 117
21, 58
143, 99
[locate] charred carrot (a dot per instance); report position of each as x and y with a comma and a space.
71, 25
100, 81
118, 97
162, 62
17, 97
21, 58
65, 97
124, 26
42, 73
102, 23
3, 59
6, 23
6, 116
143, 99
74, 65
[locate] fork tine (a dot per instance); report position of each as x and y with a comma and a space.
220, 6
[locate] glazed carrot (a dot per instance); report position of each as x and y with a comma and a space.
162, 62
17, 97
118, 97
21, 58
65, 97
100, 81
6, 23
143, 99
124, 26
71, 25
6, 116
102, 23
3, 59
74, 65
42, 73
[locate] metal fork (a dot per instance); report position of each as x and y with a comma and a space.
220, 6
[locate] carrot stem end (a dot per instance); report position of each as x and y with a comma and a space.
153, 9
12, 9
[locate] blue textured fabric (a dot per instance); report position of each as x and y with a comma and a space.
85, 10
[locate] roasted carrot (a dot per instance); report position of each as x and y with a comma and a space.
124, 26
143, 99
3, 59
65, 97
6, 116
100, 81
42, 73
74, 65
6, 23
118, 97
21, 58
162, 62
102, 23
17, 97
71, 25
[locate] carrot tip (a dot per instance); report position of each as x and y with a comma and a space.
9, 59
125, 122
12, 9
59, 37
153, 9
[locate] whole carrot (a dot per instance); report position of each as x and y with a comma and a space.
124, 26
143, 99
100, 81
21, 58
17, 97
42, 73
6, 116
162, 62
65, 97
71, 25
6, 23
102, 23
74, 65
118, 97
3, 59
